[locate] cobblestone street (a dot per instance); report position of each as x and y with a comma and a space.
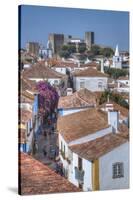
46, 151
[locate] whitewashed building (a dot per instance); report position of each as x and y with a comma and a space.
91, 79
65, 66
117, 59
94, 150
123, 80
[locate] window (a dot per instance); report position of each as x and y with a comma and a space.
79, 163
61, 146
56, 82
100, 85
81, 186
118, 170
82, 84
64, 151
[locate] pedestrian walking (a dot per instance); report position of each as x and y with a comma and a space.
44, 152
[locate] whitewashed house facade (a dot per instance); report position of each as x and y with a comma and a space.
91, 79
93, 150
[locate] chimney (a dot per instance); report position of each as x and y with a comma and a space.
118, 84
78, 64
113, 120
102, 66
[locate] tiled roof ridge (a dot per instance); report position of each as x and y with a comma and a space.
28, 95
84, 72
77, 95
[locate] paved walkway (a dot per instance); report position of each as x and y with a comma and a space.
46, 147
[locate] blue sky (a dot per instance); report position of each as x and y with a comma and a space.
110, 27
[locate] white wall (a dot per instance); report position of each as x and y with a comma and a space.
87, 167
50, 80
74, 164
64, 162
92, 136
122, 89
27, 66
70, 111
126, 82
60, 69
119, 154
26, 106
91, 83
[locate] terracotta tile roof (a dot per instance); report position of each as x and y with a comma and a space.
65, 64
98, 147
123, 78
78, 99
74, 65
82, 123
25, 115
40, 71
26, 84
89, 73
123, 111
91, 64
26, 97
36, 178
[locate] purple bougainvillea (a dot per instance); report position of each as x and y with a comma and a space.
48, 97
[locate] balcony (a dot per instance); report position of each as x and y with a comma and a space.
79, 175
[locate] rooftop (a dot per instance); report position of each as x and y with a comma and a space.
98, 147
74, 65
123, 111
80, 124
36, 178
26, 97
41, 71
89, 73
123, 78
26, 84
78, 99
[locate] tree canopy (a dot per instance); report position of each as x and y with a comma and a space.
114, 97
115, 73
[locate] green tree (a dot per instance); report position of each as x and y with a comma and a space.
117, 98
82, 49
72, 49
115, 73
95, 49
107, 52
64, 54
65, 48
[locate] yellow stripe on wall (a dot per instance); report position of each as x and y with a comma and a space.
21, 126
95, 174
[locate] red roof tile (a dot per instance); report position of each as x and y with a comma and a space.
81, 98
89, 73
40, 71
36, 178
98, 147
80, 124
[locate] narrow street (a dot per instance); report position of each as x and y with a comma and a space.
46, 146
